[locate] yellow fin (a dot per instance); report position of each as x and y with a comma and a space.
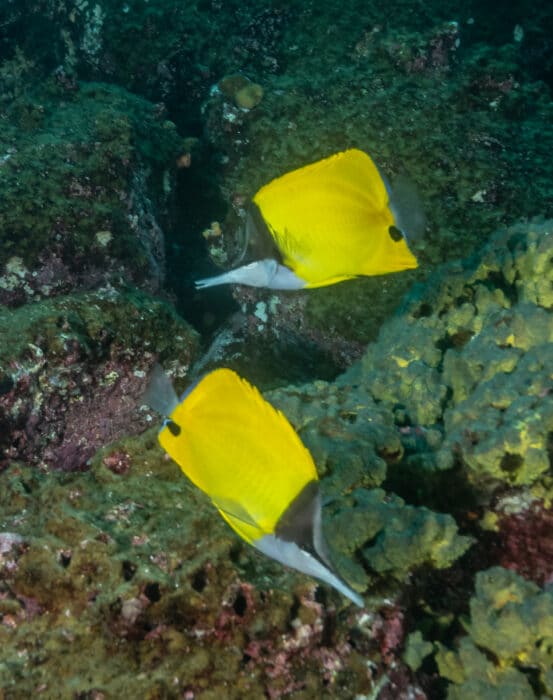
240, 450
331, 220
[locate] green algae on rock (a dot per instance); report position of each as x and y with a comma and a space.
134, 566
84, 186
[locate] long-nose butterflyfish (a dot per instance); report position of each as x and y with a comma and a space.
329, 221
244, 454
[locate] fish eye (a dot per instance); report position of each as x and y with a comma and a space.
174, 429
395, 234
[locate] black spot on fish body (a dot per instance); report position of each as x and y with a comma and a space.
173, 428
395, 234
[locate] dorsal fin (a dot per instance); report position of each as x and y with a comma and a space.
160, 393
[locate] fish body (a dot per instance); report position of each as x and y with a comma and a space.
330, 221
245, 455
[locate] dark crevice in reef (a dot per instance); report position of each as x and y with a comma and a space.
199, 202
495, 279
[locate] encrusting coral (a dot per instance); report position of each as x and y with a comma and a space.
471, 354
510, 632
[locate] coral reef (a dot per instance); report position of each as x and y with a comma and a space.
122, 140
433, 94
395, 91
115, 559
450, 407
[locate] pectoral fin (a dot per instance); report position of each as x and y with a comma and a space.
235, 511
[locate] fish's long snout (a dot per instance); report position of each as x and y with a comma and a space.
261, 273
255, 274
215, 281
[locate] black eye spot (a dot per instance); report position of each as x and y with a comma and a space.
174, 429
395, 233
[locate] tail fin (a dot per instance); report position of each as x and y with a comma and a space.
160, 393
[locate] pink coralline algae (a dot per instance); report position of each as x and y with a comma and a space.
526, 545
119, 462
237, 608
303, 643
67, 429
389, 632
73, 372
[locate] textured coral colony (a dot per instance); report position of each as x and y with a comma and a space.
133, 137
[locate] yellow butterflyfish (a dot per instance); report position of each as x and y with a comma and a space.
329, 221
244, 454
